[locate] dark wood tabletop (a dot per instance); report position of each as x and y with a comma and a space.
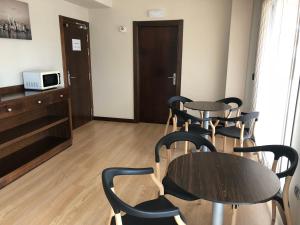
224, 178
207, 106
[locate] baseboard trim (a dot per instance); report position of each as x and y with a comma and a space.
114, 119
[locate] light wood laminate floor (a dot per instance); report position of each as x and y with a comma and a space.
67, 189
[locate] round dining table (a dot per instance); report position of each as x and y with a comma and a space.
206, 107
223, 179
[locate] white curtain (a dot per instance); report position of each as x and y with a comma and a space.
274, 68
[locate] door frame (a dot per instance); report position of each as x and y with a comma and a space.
63, 19
136, 60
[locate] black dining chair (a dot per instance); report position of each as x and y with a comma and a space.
157, 211
193, 125
175, 103
169, 186
234, 111
239, 131
281, 200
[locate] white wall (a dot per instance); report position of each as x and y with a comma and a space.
240, 33
107, 3
251, 64
91, 4
205, 50
44, 51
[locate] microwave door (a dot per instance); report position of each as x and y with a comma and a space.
50, 80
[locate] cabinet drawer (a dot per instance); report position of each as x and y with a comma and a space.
11, 109
37, 102
59, 96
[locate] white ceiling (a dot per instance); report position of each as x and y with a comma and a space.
91, 4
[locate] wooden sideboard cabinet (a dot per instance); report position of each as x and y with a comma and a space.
34, 126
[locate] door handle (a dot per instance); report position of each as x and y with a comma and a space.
174, 78
69, 78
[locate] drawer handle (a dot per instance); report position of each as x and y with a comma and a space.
40, 102
9, 110
61, 96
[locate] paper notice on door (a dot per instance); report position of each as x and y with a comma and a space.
76, 45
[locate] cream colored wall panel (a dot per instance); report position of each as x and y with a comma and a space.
44, 51
205, 50
92, 3
240, 30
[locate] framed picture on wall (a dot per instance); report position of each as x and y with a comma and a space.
14, 20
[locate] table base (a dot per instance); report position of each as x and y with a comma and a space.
218, 214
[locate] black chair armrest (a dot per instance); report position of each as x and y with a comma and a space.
109, 174
248, 149
286, 173
154, 214
278, 151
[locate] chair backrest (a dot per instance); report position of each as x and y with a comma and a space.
176, 101
174, 137
249, 117
279, 151
236, 104
232, 100
118, 205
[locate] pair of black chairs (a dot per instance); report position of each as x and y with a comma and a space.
157, 211
162, 211
176, 104
233, 124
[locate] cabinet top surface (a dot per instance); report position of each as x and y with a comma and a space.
25, 93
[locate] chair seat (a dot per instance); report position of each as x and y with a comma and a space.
197, 130
172, 189
152, 205
233, 132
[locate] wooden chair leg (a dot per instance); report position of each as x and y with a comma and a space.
213, 139
288, 216
281, 213
186, 143
118, 219
273, 212
179, 221
242, 145
169, 156
174, 124
224, 144
234, 214
112, 214
175, 128
213, 133
167, 126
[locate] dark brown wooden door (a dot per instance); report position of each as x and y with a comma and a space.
159, 66
77, 63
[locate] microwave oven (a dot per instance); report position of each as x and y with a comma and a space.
39, 80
